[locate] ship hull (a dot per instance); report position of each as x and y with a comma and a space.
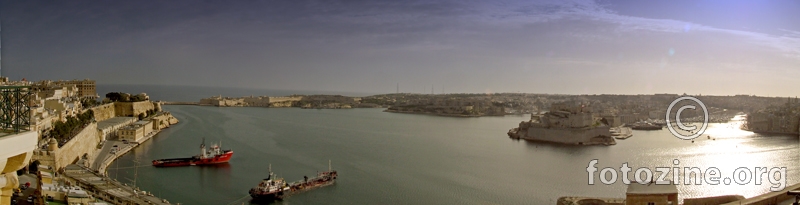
177, 162
646, 127
266, 197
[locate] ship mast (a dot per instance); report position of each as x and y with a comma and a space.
203, 148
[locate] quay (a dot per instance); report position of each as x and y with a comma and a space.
107, 189
106, 157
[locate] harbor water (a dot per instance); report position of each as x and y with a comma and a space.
390, 158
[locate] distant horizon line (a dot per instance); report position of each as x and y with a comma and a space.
387, 93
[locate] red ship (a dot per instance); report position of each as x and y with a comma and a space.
212, 156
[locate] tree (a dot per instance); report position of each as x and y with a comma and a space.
33, 167
114, 96
141, 116
89, 102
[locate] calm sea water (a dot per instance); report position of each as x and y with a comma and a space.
389, 158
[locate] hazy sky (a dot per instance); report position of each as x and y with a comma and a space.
572, 47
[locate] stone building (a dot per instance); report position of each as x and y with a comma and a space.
136, 131
86, 87
80, 88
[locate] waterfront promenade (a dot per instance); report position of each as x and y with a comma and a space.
106, 157
107, 189
95, 180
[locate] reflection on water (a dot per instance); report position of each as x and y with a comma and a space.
726, 147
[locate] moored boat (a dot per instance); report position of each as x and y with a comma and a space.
645, 126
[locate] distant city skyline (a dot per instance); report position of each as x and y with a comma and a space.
561, 47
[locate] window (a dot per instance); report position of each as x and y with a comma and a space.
651, 203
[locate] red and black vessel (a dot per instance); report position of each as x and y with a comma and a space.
214, 155
274, 188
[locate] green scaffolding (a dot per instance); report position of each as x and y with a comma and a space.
15, 108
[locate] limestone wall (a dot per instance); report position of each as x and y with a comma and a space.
132, 109
104, 112
568, 136
163, 120
84, 143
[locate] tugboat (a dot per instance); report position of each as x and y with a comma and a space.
270, 189
213, 156
273, 188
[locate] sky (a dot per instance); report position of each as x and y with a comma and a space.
460, 46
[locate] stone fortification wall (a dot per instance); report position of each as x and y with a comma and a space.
209, 101
132, 109
163, 120
250, 101
583, 136
284, 99
84, 143
104, 112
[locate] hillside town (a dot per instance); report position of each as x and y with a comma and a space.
51, 126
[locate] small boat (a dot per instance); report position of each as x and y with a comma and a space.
645, 126
214, 155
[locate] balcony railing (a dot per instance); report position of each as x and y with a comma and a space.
15, 108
